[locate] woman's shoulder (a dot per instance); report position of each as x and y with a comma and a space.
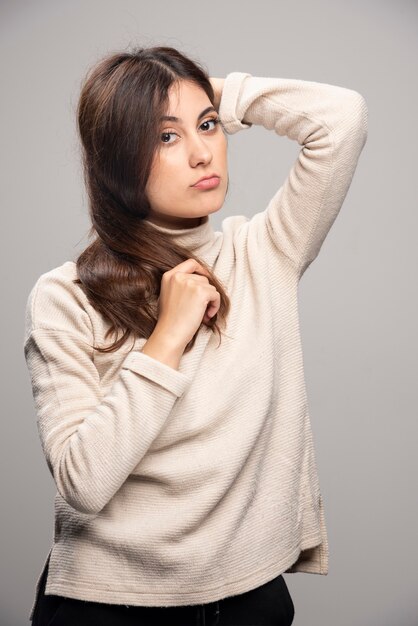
57, 302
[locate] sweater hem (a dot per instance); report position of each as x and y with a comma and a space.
83, 591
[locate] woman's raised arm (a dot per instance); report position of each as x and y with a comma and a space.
330, 123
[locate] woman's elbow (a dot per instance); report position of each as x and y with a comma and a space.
75, 489
360, 114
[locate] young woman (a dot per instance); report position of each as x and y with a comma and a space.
185, 466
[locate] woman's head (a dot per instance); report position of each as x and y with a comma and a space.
140, 168
144, 163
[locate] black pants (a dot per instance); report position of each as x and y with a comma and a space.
267, 605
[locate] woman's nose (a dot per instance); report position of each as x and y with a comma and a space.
199, 151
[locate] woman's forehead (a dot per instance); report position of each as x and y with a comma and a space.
186, 100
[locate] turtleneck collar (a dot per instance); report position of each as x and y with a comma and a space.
198, 239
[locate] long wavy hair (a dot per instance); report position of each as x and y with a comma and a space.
121, 100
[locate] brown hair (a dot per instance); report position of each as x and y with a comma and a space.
120, 271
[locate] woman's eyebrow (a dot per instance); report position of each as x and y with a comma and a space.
172, 118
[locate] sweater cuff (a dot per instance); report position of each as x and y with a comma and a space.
157, 371
231, 91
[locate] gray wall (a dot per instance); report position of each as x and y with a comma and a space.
358, 300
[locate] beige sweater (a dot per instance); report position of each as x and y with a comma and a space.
186, 486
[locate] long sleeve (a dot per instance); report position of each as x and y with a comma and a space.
91, 440
330, 123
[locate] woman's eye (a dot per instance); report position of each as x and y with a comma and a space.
167, 133
215, 121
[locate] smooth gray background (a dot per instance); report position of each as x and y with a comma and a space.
358, 300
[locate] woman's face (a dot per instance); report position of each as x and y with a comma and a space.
190, 148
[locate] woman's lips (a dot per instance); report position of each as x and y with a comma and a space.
208, 183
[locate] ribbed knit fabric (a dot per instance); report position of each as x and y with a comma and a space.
186, 486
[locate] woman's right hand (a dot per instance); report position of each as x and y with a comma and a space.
186, 300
